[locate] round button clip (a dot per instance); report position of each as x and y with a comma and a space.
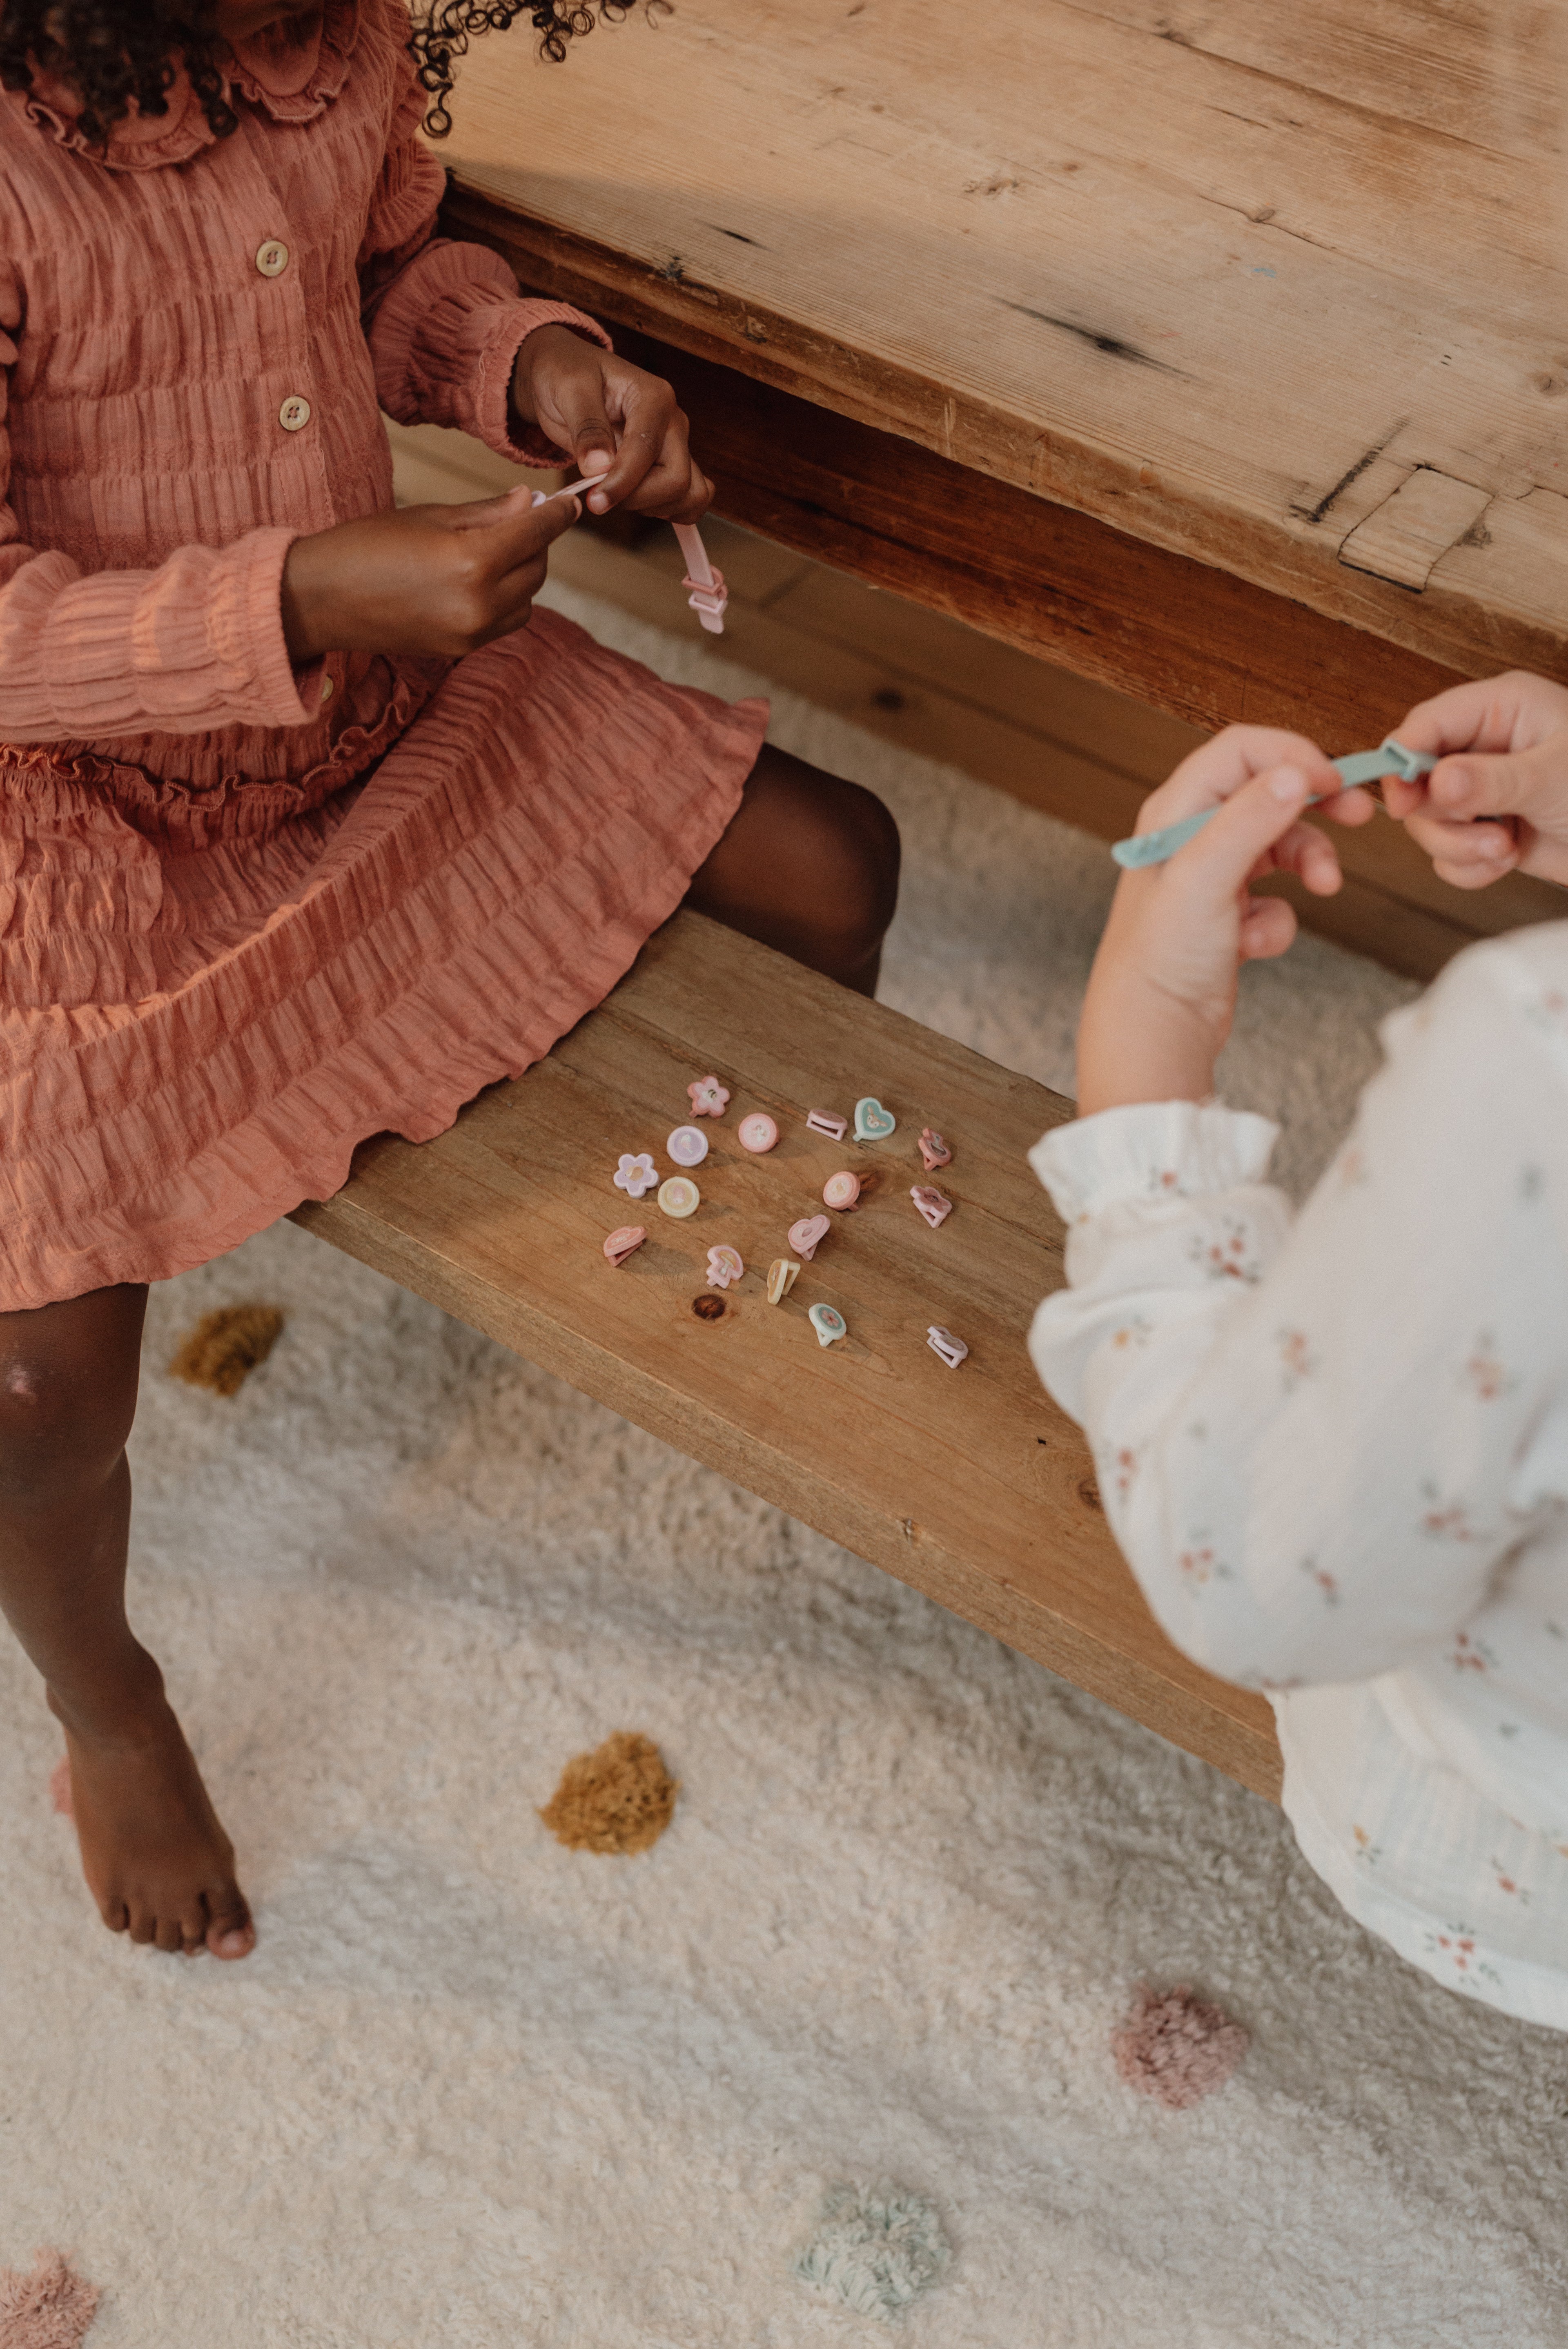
272, 258
294, 413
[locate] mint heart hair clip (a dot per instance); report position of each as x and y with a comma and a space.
704, 582
1390, 758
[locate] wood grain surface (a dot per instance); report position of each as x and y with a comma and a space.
1223, 275
968, 1485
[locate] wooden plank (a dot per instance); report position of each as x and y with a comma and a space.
1404, 537
1200, 272
969, 1486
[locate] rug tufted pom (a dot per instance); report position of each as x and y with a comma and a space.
226, 1346
60, 1788
875, 2251
1176, 2048
620, 1797
50, 2309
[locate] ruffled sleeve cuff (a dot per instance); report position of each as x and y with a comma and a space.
1152, 1152
444, 340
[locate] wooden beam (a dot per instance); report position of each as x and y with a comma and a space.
968, 1485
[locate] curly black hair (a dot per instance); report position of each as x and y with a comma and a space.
111, 51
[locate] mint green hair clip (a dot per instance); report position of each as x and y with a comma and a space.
1390, 758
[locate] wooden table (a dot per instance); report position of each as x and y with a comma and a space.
1215, 349
968, 1484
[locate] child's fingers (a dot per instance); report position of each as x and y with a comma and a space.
1225, 764
1268, 928
1311, 856
1249, 827
1468, 855
1488, 714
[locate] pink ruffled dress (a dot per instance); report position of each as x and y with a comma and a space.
251, 914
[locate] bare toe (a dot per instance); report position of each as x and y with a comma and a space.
167, 1936
231, 1933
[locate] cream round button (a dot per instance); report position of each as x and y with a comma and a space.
294, 413
326, 689
272, 258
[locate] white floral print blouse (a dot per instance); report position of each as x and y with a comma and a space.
1335, 1449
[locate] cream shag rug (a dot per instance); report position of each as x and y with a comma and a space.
479, 2091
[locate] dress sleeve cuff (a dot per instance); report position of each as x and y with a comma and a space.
495, 421
1151, 1151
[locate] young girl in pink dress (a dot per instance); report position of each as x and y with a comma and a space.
307, 829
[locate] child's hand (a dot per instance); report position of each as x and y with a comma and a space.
1162, 992
427, 579
1511, 735
617, 422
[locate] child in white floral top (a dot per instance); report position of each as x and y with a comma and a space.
1334, 1448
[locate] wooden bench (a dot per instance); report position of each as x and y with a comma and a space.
969, 1484
1216, 353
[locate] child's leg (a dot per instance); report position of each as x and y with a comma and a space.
155, 1857
808, 864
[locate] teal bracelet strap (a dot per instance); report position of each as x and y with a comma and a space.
1390, 758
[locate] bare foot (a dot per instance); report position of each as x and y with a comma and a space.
155, 1859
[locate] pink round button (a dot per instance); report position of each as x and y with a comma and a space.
687, 1145
757, 1132
841, 1190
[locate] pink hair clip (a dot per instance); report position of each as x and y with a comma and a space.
705, 591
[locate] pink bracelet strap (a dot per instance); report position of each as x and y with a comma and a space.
705, 591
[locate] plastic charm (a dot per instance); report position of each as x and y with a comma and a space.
680, 1196
873, 1122
945, 1346
724, 1266
1390, 758
819, 1120
687, 1145
806, 1236
635, 1176
625, 1243
934, 1151
708, 1097
841, 1190
781, 1278
828, 1326
932, 1205
757, 1132
705, 591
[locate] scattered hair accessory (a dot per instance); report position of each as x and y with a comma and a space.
687, 1145
619, 1798
806, 1236
757, 1132
829, 1325
932, 1204
708, 1097
781, 1278
945, 1346
680, 1196
934, 1151
624, 1242
724, 1266
873, 1122
636, 1174
875, 2251
841, 1190
705, 591
1176, 2048
820, 1120
226, 1346
50, 2309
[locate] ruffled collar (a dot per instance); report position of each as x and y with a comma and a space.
291, 85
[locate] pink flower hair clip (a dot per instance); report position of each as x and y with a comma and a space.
704, 582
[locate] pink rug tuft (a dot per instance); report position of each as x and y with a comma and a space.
1176, 2048
60, 1787
50, 2309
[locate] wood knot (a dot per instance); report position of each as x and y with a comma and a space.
1088, 1493
708, 1308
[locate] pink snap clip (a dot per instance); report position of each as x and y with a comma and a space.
704, 582
757, 1132
945, 1346
934, 1151
931, 1203
635, 1176
687, 1145
724, 1266
806, 1236
818, 1121
708, 1097
841, 1190
625, 1243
